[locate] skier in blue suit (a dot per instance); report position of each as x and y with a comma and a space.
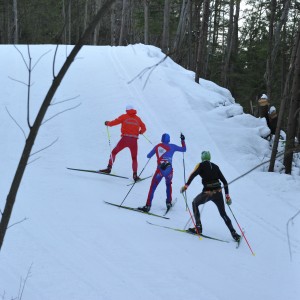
164, 152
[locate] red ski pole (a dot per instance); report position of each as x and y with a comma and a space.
241, 231
184, 197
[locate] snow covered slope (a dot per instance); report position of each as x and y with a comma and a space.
77, 247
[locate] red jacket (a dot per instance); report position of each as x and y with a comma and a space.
131, 126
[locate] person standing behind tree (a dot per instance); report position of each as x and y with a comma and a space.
272, 119
131, 127
210, 174
164, 152
263, 108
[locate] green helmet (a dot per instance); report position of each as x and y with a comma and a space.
205, 155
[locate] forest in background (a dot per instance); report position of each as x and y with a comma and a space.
247, 46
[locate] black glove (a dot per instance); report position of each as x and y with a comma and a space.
105, 123
182, 137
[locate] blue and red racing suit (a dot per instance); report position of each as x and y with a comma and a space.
164, 153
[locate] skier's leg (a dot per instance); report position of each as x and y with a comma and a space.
168, 178
119, 147
198, 200
217, 198
154, 183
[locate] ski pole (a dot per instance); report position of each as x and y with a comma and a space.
183, 162
241, 231
184, 197
147, 139
109, 144
135, 182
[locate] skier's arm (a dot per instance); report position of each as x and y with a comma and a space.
191, 178
151, 153
143, 126
224, 181
178, 148
116, 121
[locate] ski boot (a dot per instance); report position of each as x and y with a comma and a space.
107, 170
145, 208
196, 230
136, 177
235, 236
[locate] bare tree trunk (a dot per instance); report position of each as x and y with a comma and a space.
10, 200
166, 28
190, 26
69, 23
113, 33
269, 70
228, 49
274, 41
201, 55
16, 26
86, 16
182, 24
284, 102
96, 31
146, 22
293, 114
123, 22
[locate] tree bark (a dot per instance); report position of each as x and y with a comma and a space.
201, 55
16, 26
181, 28
293, 114
166, 28
284, 101
10, 200
229, 42
123, 22
146, 22
274, 41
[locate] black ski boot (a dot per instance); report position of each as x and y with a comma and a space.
136, 177
145, 208
235, 236
169, 205
196, 231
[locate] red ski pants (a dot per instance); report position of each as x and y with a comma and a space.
125, 142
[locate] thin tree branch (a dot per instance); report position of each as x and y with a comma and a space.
150, 69
18, 80
17, 223
16, 122
44, 147
61, 113
63, 101
54, 59
22, 286
22, 56
40, 59
32, 161
28, 87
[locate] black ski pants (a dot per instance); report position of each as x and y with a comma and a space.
217, 198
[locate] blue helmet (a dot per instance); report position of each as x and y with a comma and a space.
165, 138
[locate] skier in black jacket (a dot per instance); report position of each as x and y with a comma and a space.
210, 174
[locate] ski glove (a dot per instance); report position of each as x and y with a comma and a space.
105, 123
183, 189
182, 137
228, 199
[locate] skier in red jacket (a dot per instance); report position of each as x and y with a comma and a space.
131, 127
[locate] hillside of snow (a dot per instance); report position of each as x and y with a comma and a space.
67, 244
